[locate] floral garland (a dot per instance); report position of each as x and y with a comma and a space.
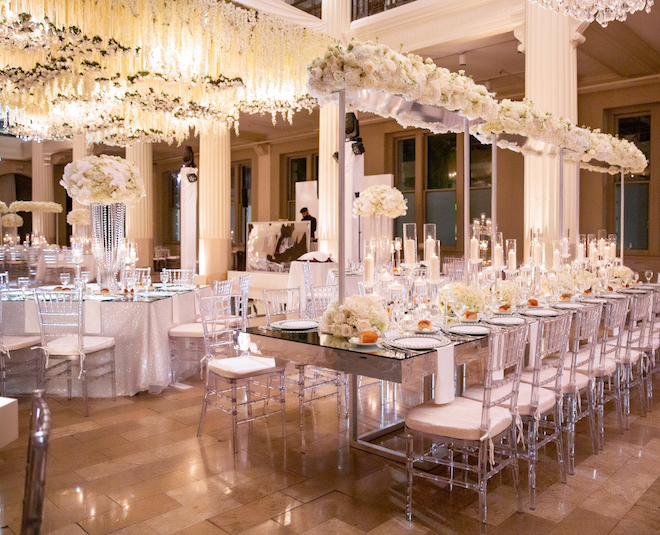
157, 69
105, 179
79, 216
377, 67
12, 220
35, 206
616, 152
357, 314
380, 200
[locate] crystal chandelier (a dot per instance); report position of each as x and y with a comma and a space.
602, 11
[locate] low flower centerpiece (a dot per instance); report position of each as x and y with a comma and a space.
79, 219
107, 184
357, 314
379, 203
11, 222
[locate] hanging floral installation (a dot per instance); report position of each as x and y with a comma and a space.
36, 206
157, 70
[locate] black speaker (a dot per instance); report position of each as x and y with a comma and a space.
352, 127
244, 198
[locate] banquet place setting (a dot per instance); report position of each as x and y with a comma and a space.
281, 334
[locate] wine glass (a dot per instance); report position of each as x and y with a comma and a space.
165, 277
65, 279
23, 283
648, 274
636, 277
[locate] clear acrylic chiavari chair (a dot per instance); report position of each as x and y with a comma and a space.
181, 277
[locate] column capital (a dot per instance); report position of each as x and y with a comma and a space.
519, 34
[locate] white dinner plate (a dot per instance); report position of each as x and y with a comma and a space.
600, 300
615, 295
632, 291
472, 330
429, 331
504, 313
294, 325
506, 320
568, 306
540, 312
419, 342
356, 342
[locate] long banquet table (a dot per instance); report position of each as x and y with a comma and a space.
140, 325
398, 366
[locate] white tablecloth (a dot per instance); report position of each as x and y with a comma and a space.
140, 329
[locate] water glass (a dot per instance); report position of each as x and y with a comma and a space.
23, 283
165, 276
648, 274
65, 279
85, 276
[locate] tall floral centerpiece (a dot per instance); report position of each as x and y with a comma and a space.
107, 184
379, 204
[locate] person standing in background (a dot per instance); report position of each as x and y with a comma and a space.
306, 216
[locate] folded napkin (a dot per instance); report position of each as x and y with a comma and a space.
31, 317
92, 315
444, 375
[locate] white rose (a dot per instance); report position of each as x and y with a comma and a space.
339, 318
346, 330
363, 325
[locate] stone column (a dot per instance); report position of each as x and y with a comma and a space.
140, 216
338, 15
42, 190
262, 196
214, 205
549, 41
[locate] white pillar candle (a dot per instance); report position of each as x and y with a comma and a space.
613, 251
601, 247
538, 253
606, 251
474, 249
434, 268
498, 256
429, 246
594, 256
410, 252
512, 260
386, 277
579, 255
556, 260
564, 246
368, 269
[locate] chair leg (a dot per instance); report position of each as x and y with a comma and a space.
483, 480
600, 411
409, 474
531, 454
84, 389
591, 407
248, 393
69, 379
3, 376
625, 380
282, 406
301, 396
641, 388
113, 377
234, 417
202, 416
338, 383
617, 395
515, 468
559, 441
571, 416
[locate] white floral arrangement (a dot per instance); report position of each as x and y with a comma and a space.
622, 274
357, 314
614, 151
586, 279
356, 66
35, 206
380, 200
471, 298
509, 292
3, 208
12, 220
79, 216
105, 179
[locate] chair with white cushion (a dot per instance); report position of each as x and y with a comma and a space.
260, 381
64, 343
473, 439
25, 362
287, 304
540, 400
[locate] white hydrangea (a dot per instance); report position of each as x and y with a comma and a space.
105, 179
12, 220
357, 314
472, 298
79, 216
509, 292
35, 206
380, 200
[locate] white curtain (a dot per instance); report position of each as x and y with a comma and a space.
188, 203
289, 13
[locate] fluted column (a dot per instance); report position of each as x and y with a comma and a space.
549, 41
81, 149
214, 205
140, 216
337, 13
42, 190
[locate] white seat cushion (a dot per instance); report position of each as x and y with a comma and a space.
632, 358
13, 343
243, 367
546, 397
68, 345
581, 380
608, 368
460, 419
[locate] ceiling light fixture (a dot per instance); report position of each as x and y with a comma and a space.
603, 11
462, 60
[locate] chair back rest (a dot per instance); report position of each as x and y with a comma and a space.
35, 475
283, 303
586, 322
2, 254
614, 321
4, 280
161, 252
33, 255
244, 283
60, 314
223, 287
221, 316
550, 353
654, 324
67, 255
182, 277
322, 296
142, 276
506, 352
640, 306
51, 256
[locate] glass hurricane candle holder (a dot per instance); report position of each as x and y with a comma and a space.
498, 250
410, 243
511, 255
429, 241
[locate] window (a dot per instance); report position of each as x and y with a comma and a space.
481, 158
241, 199
299, 168
174, 207
441, 187
637, 129
404, 178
